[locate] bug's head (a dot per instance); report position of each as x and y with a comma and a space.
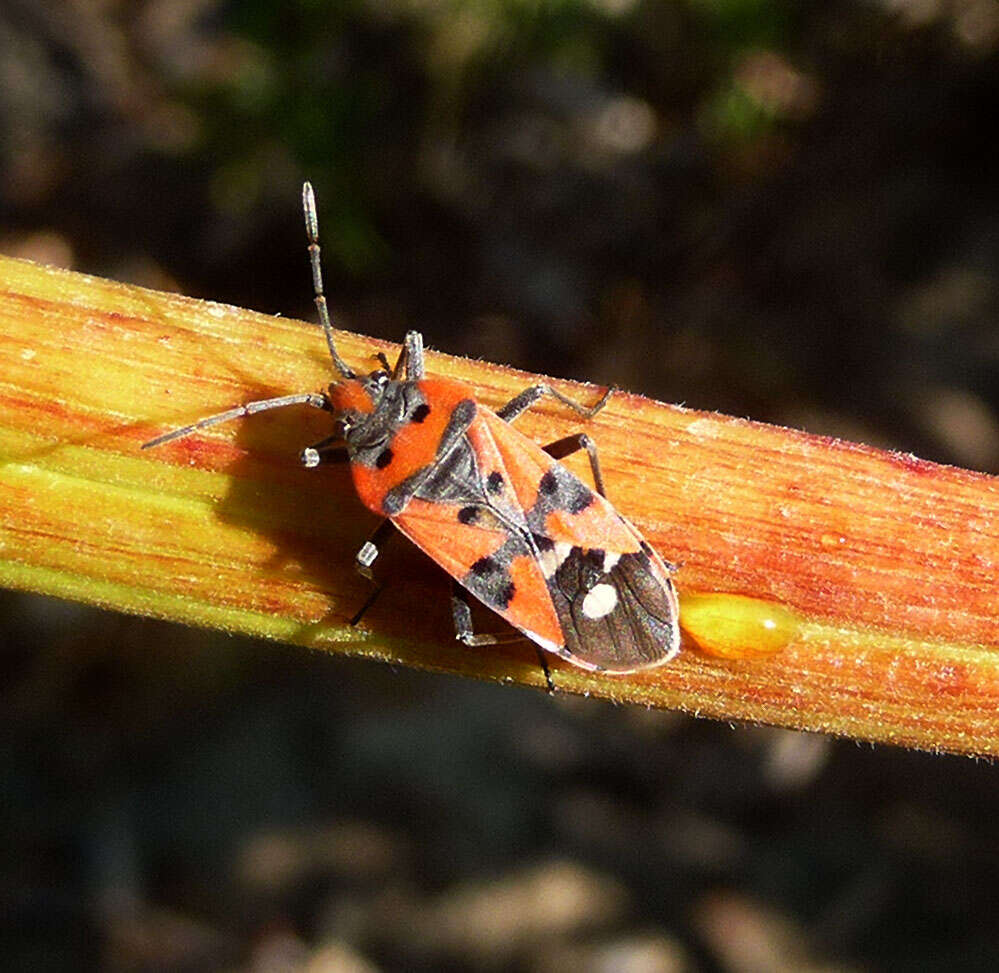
356, 397
371, 409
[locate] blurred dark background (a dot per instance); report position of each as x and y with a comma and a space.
774, 209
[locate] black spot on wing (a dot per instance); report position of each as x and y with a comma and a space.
489, 577
638, 630
558, 489
420, 413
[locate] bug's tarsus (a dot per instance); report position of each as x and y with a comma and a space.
250, 408
312, 233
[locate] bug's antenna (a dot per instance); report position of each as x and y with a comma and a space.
312, 232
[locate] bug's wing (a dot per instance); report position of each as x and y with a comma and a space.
496, 565
616, 606
618, 620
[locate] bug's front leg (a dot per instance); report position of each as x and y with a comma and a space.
363, 560
464, 631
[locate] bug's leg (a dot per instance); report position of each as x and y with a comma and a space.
519, 404
367, 556
572, 444
461, 611
328, 450
543, 662
410, 361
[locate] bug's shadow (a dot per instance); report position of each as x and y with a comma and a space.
317, 524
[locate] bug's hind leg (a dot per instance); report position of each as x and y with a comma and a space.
572, 444
367, 556
519, 404
461, 611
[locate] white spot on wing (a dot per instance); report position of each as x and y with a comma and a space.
550, 561
600, 600
610, 561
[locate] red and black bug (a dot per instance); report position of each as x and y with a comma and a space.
501, 514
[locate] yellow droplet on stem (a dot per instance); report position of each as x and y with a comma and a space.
730, 626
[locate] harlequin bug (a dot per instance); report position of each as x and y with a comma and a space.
498, 512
